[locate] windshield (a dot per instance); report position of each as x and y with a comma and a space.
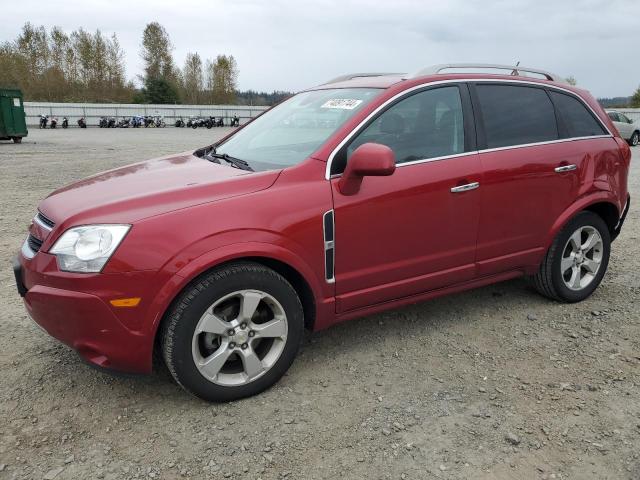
289, 133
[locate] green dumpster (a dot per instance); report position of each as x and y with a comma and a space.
13, 125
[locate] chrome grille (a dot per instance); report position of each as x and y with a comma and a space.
34, 243
44, 221
48, 222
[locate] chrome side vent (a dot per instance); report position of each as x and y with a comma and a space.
329, 246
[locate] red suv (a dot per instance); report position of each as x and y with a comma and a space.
360, 195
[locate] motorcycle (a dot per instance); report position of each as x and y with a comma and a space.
124, 123
82, 123
53, 122
148, 122
235, 121
179, 123
104, 122
209, 122
65, 122
219, 122
190, 122
159, 122
43, 121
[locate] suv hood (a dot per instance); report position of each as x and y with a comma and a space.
149, 188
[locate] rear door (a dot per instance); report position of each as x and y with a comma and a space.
532, 169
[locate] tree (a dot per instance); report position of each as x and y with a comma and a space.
192, 79
635, 99
156, 52
222, 79
58, 66
159, 90
571, 80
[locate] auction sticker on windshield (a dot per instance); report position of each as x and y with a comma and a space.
343, 103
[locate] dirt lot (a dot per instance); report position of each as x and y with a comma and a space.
493, 383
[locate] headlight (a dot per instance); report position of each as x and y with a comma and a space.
86, 249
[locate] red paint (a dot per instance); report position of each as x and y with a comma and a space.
401, 236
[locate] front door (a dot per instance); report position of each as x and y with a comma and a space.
415, 230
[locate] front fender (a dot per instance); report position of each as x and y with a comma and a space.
236, 251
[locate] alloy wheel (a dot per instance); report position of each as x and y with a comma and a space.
581, 258
239, 337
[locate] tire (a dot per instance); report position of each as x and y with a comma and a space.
552, 282
223, 291
17, 139
635, 139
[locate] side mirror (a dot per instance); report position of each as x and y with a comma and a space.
368, 160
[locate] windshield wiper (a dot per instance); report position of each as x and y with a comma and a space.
236, 162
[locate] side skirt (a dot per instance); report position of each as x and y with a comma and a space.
460, 287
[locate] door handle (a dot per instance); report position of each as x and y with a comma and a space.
465, 188
565, 168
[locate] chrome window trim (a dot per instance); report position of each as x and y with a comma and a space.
26, 250
329, 245
46, 227
436, 159
328, 176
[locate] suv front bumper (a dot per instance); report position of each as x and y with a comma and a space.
103, 335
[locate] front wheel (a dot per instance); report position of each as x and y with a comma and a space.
576, 261
635, 139
233, 333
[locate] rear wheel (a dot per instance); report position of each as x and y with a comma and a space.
233, 333
576, 261
635, 139
17, 139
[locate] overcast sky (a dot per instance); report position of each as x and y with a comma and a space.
292, 45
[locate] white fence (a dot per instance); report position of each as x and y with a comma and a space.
93, 111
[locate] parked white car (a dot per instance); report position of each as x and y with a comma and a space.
628, 129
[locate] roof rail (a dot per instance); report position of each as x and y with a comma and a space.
350, 76
515, 70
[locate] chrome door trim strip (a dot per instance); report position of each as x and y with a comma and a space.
328, 175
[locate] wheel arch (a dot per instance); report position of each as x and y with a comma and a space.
602, 203
298, 274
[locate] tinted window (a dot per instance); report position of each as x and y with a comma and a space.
578, 121
515, 115
613, 116
425, 125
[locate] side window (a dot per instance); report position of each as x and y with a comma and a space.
613, 116
624, 118
515, 115
425, 125
579, 121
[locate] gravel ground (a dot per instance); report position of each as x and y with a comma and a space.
495, 383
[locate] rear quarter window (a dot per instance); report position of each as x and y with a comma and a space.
516, 115
577, 119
